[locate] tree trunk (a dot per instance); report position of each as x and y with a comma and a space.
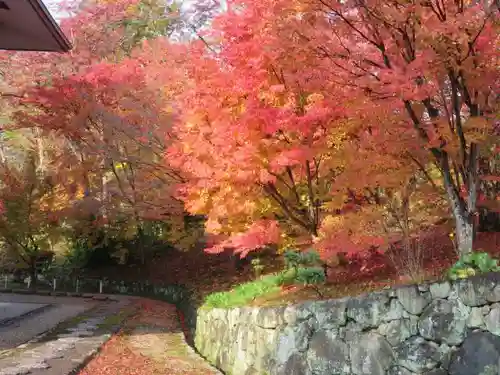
33, 274
464, 211
140, 242
465, 233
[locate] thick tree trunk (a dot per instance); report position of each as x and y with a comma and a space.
465, 233
464, 211
464, 226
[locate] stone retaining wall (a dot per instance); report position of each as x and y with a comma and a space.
170, 293
434, 329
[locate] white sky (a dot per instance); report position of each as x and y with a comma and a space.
52, 6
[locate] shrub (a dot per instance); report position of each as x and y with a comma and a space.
295, 259
299, 269
302, 268
472, 264
310, 276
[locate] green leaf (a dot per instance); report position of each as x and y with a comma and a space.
310, 276
468, 258
479, 261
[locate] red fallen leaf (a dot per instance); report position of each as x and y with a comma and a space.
116, 359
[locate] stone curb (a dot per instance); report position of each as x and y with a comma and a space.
113, 331
94, 352
97, 297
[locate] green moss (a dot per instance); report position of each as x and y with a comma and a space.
77, 319
65, 325
116, 319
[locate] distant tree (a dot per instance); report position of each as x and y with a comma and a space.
27, 228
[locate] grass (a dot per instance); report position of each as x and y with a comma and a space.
244, 293
273, 290
268, 291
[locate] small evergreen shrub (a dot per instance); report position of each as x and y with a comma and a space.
310, 276
302, 268
295, 259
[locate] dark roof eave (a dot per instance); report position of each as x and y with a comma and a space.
51, 25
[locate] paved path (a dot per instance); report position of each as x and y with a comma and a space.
59, 340
150, 343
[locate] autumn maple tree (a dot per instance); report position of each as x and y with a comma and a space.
103, 120
333, 124
256, 151
27, 226
411, 85
433, 61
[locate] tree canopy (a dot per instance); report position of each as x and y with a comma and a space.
336, 124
